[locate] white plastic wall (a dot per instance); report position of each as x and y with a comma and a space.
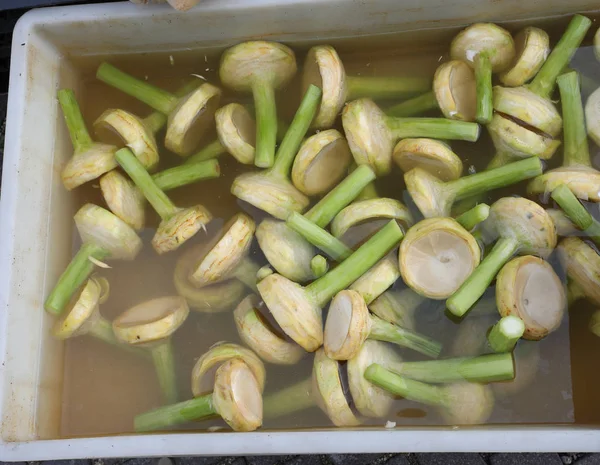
36, 212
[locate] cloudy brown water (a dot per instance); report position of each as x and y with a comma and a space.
104, 388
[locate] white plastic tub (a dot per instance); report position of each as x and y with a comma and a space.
35, 214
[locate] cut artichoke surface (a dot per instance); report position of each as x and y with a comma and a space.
532, 47
367, 210
259, 336
523, 105
190, 119
433, 156
329, 391
151, 321
92, 163
177, 229
132, 133
436, 257
124, 199
455, 90
260, 67
222, 255
97, 225
237, 395
584, 181
528, 287
582, 264
484, 37
347, 326
323, 68
236, 130
82, 313
517, 141
370, 400
321, 162
286, 250
274, 195
205, 368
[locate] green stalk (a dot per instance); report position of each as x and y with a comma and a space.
384, 87
292, 399
483, 80
438, 128
405, 387
213, 150
164, 363
159, 99
340, 196
479, 280
545, 79
80, 137
474, 216
77, 272
175, 414
319, 266
576, 212
103, 331
481, 369
295, 133
415, 106
136, 171
324, 288
495, 178
576, 151
320, 238
383, 331
183, 175
266, 124
504, 335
